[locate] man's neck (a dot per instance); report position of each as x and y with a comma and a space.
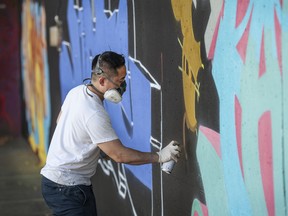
96, 91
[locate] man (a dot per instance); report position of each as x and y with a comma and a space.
83, 129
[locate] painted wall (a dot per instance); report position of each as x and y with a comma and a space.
35, 75
210, 74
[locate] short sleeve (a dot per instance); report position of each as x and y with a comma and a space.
100, 129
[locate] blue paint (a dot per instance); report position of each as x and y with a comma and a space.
226, 73
136, 132
132, 118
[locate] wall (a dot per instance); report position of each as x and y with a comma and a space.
10, 77
210, 74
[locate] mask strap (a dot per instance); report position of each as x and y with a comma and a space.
87, 86
90, 84
107, 77
86, 80
98, 70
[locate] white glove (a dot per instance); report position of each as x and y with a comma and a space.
170, 152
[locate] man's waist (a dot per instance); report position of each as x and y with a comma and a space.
65, 177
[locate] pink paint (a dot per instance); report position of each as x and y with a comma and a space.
242, 6
242, 44
213, 137
281, 3
215, 34
204, 210
266, 160
262, 63
238, 123
278, 33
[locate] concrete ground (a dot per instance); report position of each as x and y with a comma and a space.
20, 181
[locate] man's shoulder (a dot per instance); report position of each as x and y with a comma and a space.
77, 88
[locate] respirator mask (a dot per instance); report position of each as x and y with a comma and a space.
115, 95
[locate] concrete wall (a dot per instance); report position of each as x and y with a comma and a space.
210, 74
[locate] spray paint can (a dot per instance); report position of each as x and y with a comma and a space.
168, 166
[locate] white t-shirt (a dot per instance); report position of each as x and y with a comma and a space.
73, 153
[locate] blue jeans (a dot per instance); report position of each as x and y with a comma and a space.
78, 200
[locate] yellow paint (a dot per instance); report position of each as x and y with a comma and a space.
191, 59
34, 48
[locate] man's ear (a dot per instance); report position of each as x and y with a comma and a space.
101, 80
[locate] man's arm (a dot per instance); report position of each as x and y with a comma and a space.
121, 154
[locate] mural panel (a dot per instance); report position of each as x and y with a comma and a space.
210, 74
35, 75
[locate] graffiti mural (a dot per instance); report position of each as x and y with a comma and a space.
246, 157
210, 74
35, 73
132, 118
